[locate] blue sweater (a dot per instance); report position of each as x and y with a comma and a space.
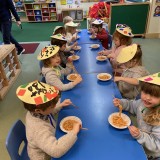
6, 8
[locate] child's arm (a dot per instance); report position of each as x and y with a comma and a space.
128, 105
147, 140
102, 36
132, 81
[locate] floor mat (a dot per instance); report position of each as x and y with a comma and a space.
30, 47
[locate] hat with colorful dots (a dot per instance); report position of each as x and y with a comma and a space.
57, 27
127, 53
97, 21
36, 92
154, 79
48, 52
59, 36
124, 29
71, 24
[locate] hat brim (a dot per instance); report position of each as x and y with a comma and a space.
122, 32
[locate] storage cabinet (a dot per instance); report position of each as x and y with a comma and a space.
9, 68
41, 12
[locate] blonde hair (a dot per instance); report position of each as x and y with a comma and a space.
67, 19
69, 29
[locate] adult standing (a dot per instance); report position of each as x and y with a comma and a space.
6, 8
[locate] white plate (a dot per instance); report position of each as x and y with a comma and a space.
124, 116
95, 46
92, 37
98, 58
68, 77
89, 32
77, 48
74, 57
101, 74
68, 118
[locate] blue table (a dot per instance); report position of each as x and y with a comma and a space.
94, 99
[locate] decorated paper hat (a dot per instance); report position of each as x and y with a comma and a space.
48, 52
57, 27
36, 92
97, 21
59, 36
127, 53
124, 29
71, 24
154, 79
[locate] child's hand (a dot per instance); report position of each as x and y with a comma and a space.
76, 127
134, 131
103, 52
77, 80
70, 60
66, 102
73, 39
116, 102
75, 44
116, 78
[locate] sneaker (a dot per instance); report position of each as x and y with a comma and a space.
21, 52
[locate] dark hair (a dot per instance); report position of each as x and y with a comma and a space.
57, 42
60, 30
138, 55
97, 25
151, 89
43, 107
124, 40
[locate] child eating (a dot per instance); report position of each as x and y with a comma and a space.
53, 72
147, 111
40, 100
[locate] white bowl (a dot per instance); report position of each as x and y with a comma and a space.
74, 57
91, 37
101, 58
104, 74
76, 48
95, 46
69, 76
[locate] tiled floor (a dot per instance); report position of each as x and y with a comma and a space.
11, 108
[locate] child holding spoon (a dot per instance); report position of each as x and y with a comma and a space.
147, 111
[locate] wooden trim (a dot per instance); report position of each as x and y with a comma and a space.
152, 35
128, 4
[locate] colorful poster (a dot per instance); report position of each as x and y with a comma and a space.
69, 1
157, 11
63, 2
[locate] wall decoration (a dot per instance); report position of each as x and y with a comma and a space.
157, 11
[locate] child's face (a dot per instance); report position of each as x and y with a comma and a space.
149, 101
116, 41
73, 30
63, 47
55, 60
95, 29
48, 111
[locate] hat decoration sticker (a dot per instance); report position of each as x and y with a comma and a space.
36, 92
127, 53
48, 52
59, 36
124, 29
97, 21
154, 79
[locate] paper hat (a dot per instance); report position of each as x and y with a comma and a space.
97, 21
127, 53
36, 92
124, 29
154, 79
59, 36
48, 52
57, 27
71, 24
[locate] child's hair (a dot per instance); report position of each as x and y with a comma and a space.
47, 62
67, 19
138, 56
124, 40
60, 30
152, 115
43, 107
69, 29
57, 42
97, 25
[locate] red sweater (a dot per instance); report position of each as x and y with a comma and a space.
103, 37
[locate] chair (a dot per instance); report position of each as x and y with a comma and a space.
43, 78
109, 41
16, 136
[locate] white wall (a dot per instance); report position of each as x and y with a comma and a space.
153, 22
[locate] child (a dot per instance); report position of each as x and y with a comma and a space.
40, 100
59, 30
131, 57
67, 19
147, 110
99, 32
60, 40
53, 72
122, 37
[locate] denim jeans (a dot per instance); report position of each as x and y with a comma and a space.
5, 28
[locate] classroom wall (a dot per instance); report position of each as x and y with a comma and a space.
153, 27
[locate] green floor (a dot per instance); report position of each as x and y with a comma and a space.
11, 108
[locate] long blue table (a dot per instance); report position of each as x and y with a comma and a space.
94, 99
